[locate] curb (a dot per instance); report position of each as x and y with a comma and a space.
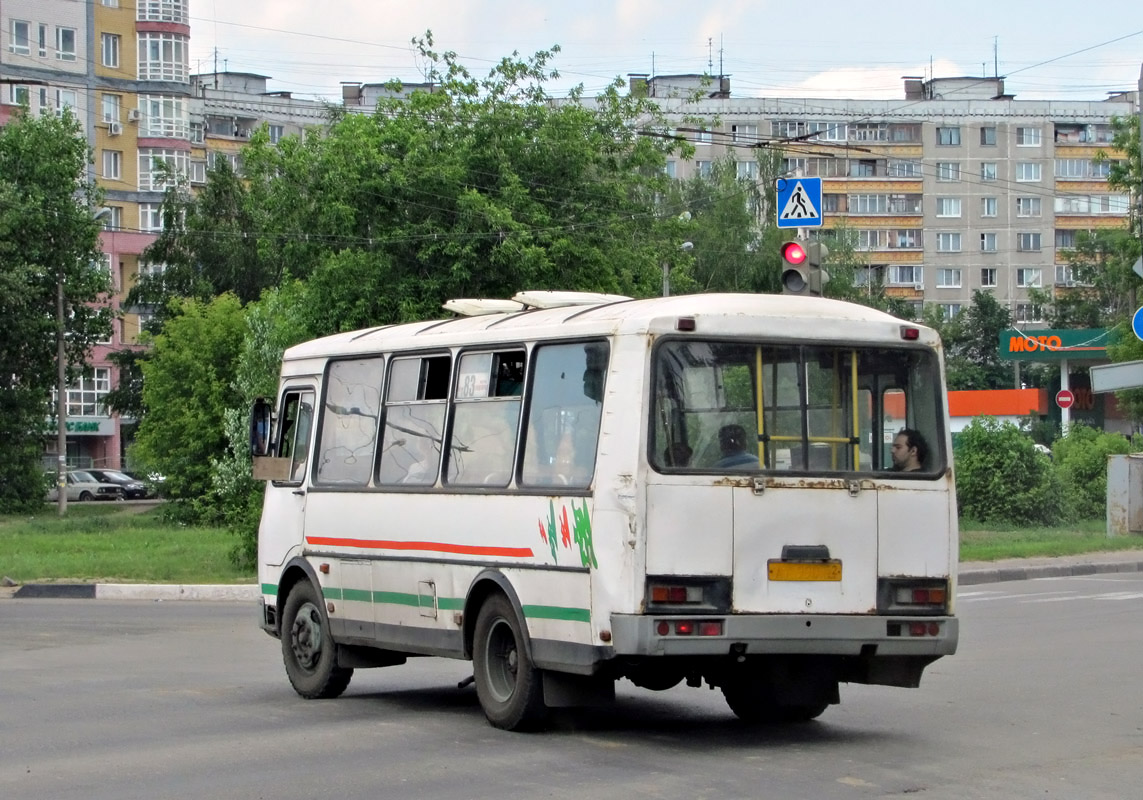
969, 575
974, 576
138, 591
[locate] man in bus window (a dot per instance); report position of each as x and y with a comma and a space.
909, 451
732, 443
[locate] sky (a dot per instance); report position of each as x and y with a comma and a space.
1047, 49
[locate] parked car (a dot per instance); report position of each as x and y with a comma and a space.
82, 486
133, 488
154, 482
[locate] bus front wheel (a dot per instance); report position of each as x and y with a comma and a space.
307, 648
510, 688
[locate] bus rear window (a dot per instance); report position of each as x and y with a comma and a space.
749, 407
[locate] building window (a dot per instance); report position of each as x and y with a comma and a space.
110, 108
19, 95
988, 136
988, 171
904, 169
948, 171
150, 217
1028, 206
43, 41
162, 11
85, 396
703, 168
152, 175
948, 278
747, 170
111, 3
988, 277
1065, 238
277, 131
906, 275
21, 39
798, 166
988, 206
746, 134
65, 44
670, 169
948, 242
1029, 312
949, 310
862, 168
114, 220
66, 98
1028, 137
110, 49
988, 242
1028, 242
1030, 277
703, 136
948, 136
948, 206
1027, 171
163, 57
196, 133
112, 164
829, 131
163, 117
787, 129
198, 172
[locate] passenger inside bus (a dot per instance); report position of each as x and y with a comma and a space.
732, 443
909, 451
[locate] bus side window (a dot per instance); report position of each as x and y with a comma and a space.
564, 415
349, 422
414, 420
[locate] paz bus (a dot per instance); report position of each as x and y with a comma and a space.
569, 489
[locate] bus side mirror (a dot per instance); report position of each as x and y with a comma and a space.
260, 416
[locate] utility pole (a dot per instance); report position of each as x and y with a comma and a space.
61, 395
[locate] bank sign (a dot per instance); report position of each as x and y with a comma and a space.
1080, 344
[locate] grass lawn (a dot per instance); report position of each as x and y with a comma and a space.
113, 543
989, 541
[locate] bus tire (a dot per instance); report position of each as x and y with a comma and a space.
510, 688
307, 647
754, 702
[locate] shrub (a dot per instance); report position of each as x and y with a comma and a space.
1001, 478
1081, 462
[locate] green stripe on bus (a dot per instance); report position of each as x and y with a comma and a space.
451, 604
398, 598
356, 595
331, 592
557, 612
270, 588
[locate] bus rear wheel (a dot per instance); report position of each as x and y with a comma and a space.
754, 701
307, 647
510, 688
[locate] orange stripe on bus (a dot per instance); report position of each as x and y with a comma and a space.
432, 547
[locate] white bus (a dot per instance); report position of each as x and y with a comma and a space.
569, 489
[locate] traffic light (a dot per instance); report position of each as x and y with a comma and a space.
802, 271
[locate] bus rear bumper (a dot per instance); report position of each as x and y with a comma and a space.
762, 634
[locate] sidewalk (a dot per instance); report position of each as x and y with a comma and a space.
970, 573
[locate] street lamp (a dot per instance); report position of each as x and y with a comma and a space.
685, 247
61, 381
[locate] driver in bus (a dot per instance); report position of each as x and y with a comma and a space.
909, 451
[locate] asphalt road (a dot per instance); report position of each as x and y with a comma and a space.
189, 700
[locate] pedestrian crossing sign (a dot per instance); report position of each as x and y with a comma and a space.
799, 202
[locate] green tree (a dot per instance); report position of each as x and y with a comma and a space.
972, 354
188, 383
49, 242
1124, 346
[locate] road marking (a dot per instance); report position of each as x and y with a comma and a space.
1100, 596
999, 596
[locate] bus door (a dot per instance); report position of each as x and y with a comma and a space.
284, 507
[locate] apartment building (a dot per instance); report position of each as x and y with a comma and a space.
122, 67
954, 187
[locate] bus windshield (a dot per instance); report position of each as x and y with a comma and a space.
745, 407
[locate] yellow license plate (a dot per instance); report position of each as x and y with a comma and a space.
799, 571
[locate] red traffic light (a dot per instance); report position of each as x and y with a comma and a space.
793, 253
